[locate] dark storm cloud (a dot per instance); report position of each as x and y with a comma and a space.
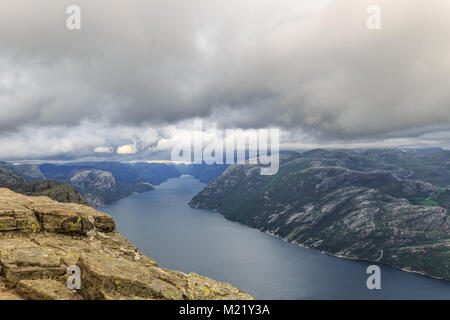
311, 66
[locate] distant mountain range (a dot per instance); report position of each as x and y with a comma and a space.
99, 183
389, 206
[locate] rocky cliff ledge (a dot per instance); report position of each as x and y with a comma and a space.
40, 238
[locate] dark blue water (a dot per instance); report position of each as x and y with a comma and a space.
163, 226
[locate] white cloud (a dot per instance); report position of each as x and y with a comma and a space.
310, 67
103, 150
127, 149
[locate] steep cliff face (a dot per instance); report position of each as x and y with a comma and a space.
104, 182
370, 215
97, 186
101, 187
40, 238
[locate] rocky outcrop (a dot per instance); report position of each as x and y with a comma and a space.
40, 238
101, 180
96, 185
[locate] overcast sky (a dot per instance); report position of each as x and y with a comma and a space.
139, 72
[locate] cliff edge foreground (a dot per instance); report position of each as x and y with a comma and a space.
40, 238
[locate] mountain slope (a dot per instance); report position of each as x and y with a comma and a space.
28, 171
316, 202
53, 189
429, 167
100, 187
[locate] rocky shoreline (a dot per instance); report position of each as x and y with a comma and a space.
351, 258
